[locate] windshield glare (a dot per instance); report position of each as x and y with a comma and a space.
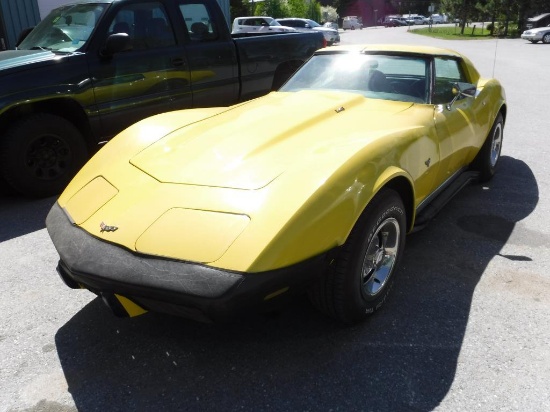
65, 29
377, 76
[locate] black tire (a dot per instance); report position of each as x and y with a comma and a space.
489, 155
546, 38
359, 279
40, 154
534, 41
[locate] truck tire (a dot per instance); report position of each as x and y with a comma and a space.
361, 275
40, 154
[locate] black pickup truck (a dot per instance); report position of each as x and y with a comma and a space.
92, 68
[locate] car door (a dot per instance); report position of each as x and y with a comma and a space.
212, 55
454, 123
146, 80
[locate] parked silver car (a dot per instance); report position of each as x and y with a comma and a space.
258, 24
305, 25
538, 34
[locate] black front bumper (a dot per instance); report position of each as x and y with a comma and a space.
170, 286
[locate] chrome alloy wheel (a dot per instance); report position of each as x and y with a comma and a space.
380, 257
496, 143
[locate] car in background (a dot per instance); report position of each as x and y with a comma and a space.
351, 23
437, 19
307, 25
258, 24
395, 22
181, 213
331, 25
538, 34
417, 19
541, 20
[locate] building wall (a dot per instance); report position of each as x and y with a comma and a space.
15, 16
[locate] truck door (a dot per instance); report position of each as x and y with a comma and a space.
143, 81
211, 53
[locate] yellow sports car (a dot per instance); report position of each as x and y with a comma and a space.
205, 213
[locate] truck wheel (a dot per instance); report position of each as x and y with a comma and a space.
360, 277
40, 154
489, 154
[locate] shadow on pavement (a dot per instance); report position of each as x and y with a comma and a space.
20, 215
402, 358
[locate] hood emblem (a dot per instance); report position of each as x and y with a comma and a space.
106, 228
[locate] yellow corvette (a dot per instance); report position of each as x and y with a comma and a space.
206, 212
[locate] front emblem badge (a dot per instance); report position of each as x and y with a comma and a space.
106, 228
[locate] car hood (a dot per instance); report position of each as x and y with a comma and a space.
18, 58
537, 30
179, 184
249, 146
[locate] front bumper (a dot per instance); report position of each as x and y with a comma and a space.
181, 288
532, 36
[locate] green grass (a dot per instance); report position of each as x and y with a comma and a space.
453, 32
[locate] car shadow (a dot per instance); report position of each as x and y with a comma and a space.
402, 358
20, 215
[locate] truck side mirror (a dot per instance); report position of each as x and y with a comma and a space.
116, 43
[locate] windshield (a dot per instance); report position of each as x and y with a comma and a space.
65, 29
377, 76
273, 22
313, 23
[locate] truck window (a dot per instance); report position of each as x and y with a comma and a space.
146, 23
198, 21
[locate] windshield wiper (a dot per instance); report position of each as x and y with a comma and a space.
40, 48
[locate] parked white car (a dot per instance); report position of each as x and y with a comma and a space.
438, 19
258, 24
417, 19
306, 25
351, 23
536, 35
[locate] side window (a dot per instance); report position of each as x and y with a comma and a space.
198, 22
447, 71
146, 23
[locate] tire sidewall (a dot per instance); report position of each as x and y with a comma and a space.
486, 168
386, 205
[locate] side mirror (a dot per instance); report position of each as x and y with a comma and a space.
116, 43
461, 90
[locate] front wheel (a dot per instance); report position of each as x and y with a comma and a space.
546, 38
40, 154
360, 277
489, 155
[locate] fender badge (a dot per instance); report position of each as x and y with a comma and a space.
105, 228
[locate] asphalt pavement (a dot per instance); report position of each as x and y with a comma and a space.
467, 327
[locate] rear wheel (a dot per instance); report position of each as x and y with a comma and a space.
360, 277
489, 155
40, 154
